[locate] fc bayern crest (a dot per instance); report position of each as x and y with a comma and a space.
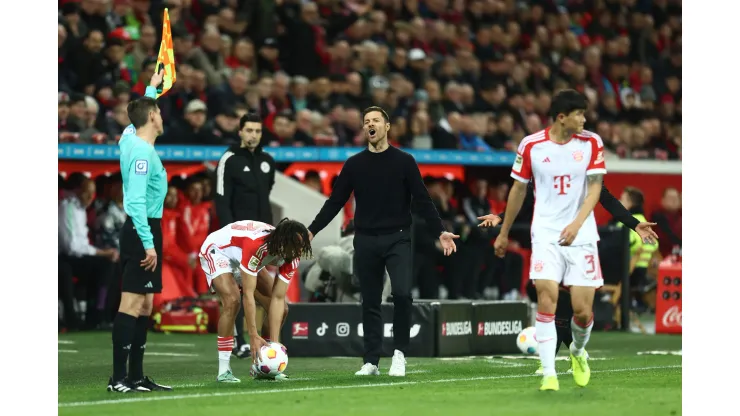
578, 155
265, 167
222, 264
538, 266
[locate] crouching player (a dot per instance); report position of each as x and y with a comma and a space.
236, 255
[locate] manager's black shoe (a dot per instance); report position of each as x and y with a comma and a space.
122, 386
148, 383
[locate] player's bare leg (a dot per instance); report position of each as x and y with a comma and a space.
545, 331
228, 291
263, 295
582, 299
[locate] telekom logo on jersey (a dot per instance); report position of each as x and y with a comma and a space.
562, 183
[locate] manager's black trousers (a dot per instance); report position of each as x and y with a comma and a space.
374, 254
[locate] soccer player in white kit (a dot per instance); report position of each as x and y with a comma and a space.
236, 255
567, 166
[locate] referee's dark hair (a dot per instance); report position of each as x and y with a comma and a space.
138, 110
376, 108
250, 117
289, 240
566, 102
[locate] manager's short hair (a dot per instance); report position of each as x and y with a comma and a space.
378, 109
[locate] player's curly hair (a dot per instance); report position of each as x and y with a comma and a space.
289, 240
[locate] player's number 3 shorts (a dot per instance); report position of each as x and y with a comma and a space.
567, 265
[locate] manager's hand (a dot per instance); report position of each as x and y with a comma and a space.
448, 243
646, 233
150, 262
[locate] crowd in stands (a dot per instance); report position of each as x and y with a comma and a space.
453, 74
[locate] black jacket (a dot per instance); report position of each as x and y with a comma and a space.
243, 184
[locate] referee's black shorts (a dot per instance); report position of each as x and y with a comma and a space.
135, 279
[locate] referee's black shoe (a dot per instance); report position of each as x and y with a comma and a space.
123, 386
150, 385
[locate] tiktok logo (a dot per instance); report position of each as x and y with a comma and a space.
562, 183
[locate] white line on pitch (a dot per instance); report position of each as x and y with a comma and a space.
183, 386
170, 344
67, 351
321, 388
170, 354
65, 341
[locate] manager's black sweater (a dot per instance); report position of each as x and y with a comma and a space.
383, 184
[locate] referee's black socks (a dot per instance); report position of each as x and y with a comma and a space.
136, 359
124, 326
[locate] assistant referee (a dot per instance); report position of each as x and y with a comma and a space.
384, 179
144, 189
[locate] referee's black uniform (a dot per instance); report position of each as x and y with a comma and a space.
383, 184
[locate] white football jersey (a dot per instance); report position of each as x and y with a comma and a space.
559, 172
245, 242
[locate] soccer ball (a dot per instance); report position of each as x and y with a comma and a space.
526, 342
272, 359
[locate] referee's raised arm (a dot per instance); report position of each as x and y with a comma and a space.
144, 190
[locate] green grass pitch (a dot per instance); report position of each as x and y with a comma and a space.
624, 381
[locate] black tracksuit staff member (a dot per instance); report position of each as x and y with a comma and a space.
383, 179
245, 176
244, 179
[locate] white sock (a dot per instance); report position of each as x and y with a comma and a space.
581, 335
547, 339
225, 345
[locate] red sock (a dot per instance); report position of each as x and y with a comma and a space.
225, 344
267, 339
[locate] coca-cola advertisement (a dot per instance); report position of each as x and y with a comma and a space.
669, 298
672, 317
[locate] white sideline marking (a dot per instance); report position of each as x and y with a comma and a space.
67, 351
65, 341
169, 344
356, 386
170, 354
179, 386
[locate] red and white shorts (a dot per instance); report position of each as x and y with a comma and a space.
567, 265
215, 262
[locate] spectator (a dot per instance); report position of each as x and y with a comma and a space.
312, 179
207, 56
230, 94
85, 62
194, 130
145, 47
194, 226
307, 39
91, 264
668, 218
